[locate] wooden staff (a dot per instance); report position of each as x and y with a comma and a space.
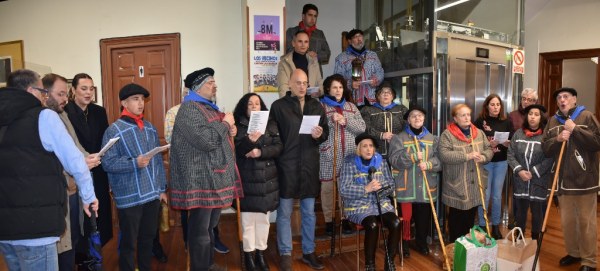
435, 217
239, 215
487, 223
554, 182
334, 180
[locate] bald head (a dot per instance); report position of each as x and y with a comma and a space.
298, 83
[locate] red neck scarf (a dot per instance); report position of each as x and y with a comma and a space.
139, 120
529, 133
308, 30
456, 132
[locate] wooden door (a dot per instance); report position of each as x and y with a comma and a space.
150, 61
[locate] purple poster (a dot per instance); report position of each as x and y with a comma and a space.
266, 33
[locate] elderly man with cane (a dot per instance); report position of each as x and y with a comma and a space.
572, 136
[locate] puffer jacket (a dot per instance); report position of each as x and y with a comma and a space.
259, 175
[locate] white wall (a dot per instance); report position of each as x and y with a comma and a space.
63, 36
561, 25
580, 74
335, 16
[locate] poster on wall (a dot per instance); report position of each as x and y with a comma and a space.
266, 53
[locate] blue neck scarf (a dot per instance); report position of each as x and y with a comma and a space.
193, 96
330, 100
423, 133
390, 106
375, 162
358, 53
562, 119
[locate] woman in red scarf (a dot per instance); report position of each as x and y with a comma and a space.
462, 148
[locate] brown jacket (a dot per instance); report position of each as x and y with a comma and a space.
286, 67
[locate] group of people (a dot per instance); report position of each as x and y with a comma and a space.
364, 143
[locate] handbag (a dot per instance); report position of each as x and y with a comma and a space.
471, 254
518, 253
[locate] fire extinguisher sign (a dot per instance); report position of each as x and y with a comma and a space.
518, 61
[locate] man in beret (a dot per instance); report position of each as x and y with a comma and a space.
137, 180
35, 147
204, 178
369, 72
576, 129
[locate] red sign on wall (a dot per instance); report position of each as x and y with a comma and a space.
518, 61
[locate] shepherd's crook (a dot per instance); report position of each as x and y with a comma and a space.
435, 218
484, 210
554, 182
334, 180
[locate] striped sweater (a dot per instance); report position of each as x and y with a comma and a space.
131, 185
460, 188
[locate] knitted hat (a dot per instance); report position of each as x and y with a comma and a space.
132, 89
198, 77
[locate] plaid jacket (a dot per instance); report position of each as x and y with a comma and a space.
371, 68
132, 186
344, 138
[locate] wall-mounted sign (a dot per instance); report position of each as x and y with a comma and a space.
518, 58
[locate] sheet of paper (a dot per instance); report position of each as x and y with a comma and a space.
109, 144
157, 150
258, 122
501, 137
308, 123
312, 90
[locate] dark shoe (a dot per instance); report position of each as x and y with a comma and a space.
159, 254
249, 261
496, 232
260, 261
285, 263
370, 267
535, 235
405, 249
391, 267
220, 247
216, 267
312, 261
586, 268
423, 249
329, 228
347, 227
568, 260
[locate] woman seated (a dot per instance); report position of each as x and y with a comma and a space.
362, 177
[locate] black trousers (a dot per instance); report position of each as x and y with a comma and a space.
138, 226
371, 225
201, 237
421, 214
66, 260
538, 209
460, 222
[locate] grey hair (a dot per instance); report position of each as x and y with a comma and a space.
196, 87
530, 91
22, 79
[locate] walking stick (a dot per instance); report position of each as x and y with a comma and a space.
435, 218
484, 210
388, 259
239, 216
334, 180
554, 182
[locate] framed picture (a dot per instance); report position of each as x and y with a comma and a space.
11, 58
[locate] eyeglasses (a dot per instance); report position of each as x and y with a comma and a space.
301, 83
41, 90
531, 100
386, 93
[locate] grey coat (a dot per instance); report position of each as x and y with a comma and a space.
525, 153
460, 188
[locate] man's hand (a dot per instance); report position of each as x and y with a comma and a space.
229, 119
233, 130
143, 161
92, 160
569, 125
254, 153
374, 82
563, 136
94, 204
316, 132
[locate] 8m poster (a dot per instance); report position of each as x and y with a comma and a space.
266, 53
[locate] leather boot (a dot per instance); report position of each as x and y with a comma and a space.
347, 228
370, 267
249, 261
496, 232
260, 261
391, 267
405, 249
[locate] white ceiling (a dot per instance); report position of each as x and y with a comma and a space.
533, 7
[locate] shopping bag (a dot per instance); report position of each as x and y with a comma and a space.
472, 254
519, 250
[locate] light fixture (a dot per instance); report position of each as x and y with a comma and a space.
450, 5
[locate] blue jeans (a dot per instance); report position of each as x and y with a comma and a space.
284, 228
496, 174
28, 258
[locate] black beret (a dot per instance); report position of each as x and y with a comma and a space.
132, 89
352, 33
570, 90
197, 77
364, 136
538, 106
413, 108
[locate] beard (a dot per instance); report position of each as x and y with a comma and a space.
54, 105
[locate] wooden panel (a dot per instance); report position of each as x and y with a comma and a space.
156, 59
125, 61
156, 105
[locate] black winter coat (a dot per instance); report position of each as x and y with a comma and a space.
259, 175
298, 163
